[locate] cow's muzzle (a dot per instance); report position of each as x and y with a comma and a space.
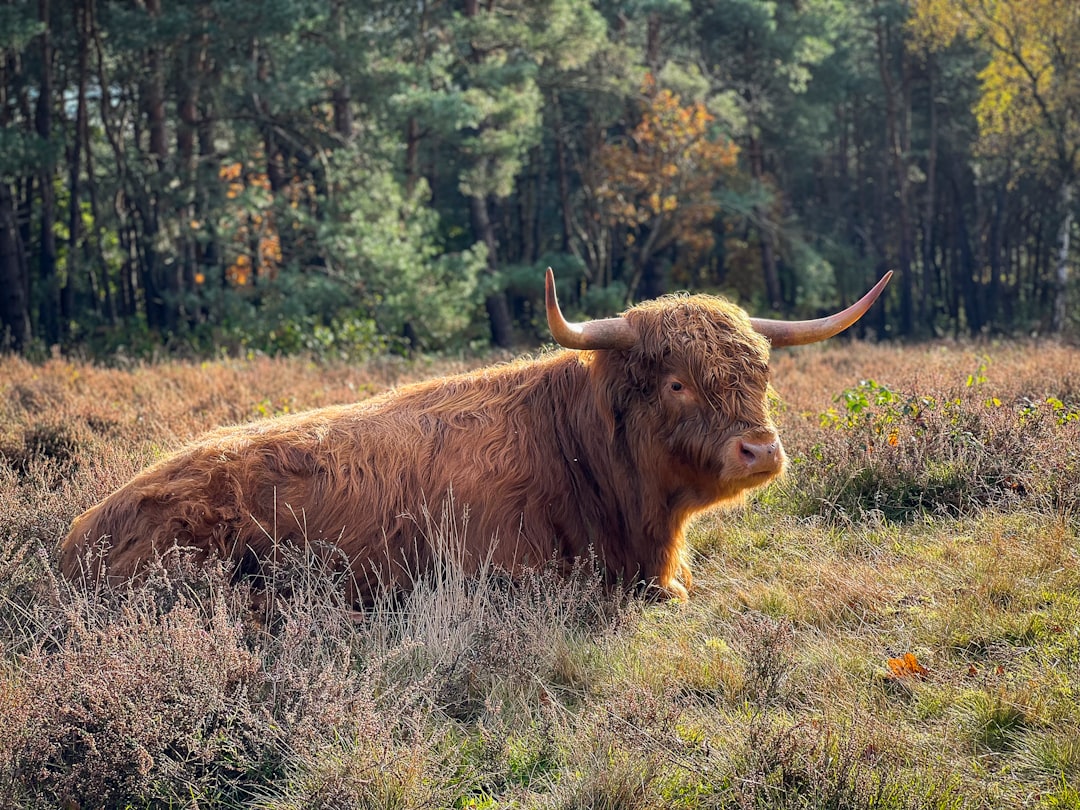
760, 453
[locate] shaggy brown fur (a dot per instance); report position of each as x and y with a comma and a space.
609, 451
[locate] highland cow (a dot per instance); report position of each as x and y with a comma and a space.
606, 448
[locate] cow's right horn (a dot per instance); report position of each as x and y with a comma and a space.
607, 333
799, 333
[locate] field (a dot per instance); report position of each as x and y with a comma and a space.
895, 624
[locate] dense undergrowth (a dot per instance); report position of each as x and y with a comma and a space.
896, 624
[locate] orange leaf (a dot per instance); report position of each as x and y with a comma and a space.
907, 666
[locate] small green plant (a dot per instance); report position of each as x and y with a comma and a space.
1065, 797
1063, 413
905, 453
978, 377
868, 402
995, 719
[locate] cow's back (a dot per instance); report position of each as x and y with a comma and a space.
379, 484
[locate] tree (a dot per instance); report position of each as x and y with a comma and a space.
507, 44
659, 183
14, 312
17, 152
761, 56
1030, 99
202, 172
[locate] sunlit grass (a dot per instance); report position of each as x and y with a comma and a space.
956, 543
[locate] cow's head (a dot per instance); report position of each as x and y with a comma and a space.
687, 376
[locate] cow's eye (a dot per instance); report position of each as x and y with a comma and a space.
676, 386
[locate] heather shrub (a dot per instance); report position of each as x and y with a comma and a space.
783, 765
161, 693
185, 687
947, 447
46, 440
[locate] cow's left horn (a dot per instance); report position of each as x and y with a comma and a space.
607, 333
798, 333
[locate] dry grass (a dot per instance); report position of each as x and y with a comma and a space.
933, 512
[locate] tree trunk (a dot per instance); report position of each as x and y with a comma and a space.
994, 247
413, 134
14, 312
563, 178
342, 92
276, 159
50, 320
412, 153
769, 268
498, 309
159, 286
652, 42
528, 208
92, 37
926, 303
80, 14
153, 93
1061, 266
186, 128
898, 132
209, 168
965, 263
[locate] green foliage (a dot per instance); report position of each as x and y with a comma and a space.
601, 302
380, 144
19, 26
507, 124
873, 404
1066, 797
21, 152
349, 339
1063, 413
384, 244
504, 52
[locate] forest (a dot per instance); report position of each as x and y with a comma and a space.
352, 178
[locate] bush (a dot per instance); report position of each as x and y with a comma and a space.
905, 452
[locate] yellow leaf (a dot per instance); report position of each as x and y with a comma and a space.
907, 666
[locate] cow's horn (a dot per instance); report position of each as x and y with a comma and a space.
798, 333
608, 333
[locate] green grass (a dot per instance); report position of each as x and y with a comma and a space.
770, 688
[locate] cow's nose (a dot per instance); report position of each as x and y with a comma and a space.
762, 455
